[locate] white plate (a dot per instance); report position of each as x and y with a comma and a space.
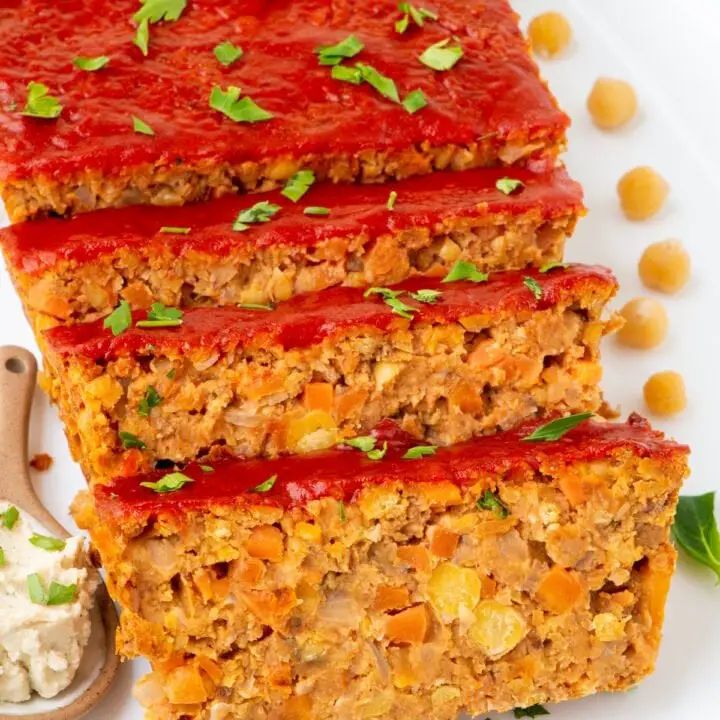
669, 51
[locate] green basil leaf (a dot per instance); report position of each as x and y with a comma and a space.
91, 64
490, 501
227, 53
129, 440
441, 56
266, 486
463, 270
335, 54
39, 104
172, 482
229, 103
119, 320
696, 531
557, 428
533, 286
420, 451
141, 127
415, 101
507, 186
298, 185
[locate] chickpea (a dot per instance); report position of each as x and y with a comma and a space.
665, 393
646, 323
611, 103
642, 193
665, 266
549, 34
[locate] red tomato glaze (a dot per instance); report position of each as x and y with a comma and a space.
493, 91
307, 319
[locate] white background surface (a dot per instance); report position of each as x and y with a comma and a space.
669, 50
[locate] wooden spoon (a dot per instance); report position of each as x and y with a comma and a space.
18, 371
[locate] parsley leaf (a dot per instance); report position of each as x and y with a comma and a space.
557, 428
57, 594
490, 501
440, 56
150, 400
45, 542
392, 199
160, 316
227, 53
298, 185
341, 511
547, 267
316, 210
229, 103
2, 557
364, 443
391, 299
463, 270
260, 212
335, 54
533, 286
10, 517
36, 590
530, 712
39, 104
174, 230
142, 37
256, 306
377, 453
266, 486
207, 468
129, 440
347, 74
120, 319
420, 451
141, 127
418, 15
383, 84
507, 186
169, 483
696, 531
155, 10
415, 101
90, 64
426, 296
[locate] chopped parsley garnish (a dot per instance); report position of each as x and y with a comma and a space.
533, 286
129, 441
420, 451
160, 316
171, 482
530, 712
392, 199
298, 185
266, 486
227, 53
171, 374
415, 101
140, 126
256, 306
229, 103
341, 511
91, 64
39, 104
56, 594
557, 428
45, 542
2, 557
507, 186
207, 468
120, 319
346, 74
463, 270
696, 531
142, 37
426, 296
377, 453
150, 400
174, 230
260, 212
417, 15
335, 54
441, 56
316, 210
556, 265
392, 299
383, 84
490, 501
10, 517
156, 10
364, 443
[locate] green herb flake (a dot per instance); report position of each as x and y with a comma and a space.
119, 320
142, 37
227, 53
266, 486
347, 74
91, 64
341, 511
418, 16
59, 594
161, 316
316, 210
36, 590
39, 104
377, 453
507, 186
392, 299
429, 297
420, 451
260, 212
696, 531
415, 101
557, 428
156, 10
534, 287
172, 482
441, 56
256, 306
129, 441
490, 501
150, 400
174, 230
383, 84
463, 270
335, 54
298, 185
364, 443
392, 199
555, 265
530, 712
171, 374
2, 558
45, 542
141, 127
10, 517
207, 468
229, 103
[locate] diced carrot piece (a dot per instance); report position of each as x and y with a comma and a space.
416, 556
388, 597
348, 403
560, 590
467, 398
280, 675
203, 581
265, 543
443, 542
213, 670
185, 686
297, 707
655, 579
573, 488
131, 462
484, 354
495, 526
438, 493
249, 571
175, 660
488, 587
269, 606
409, 626
319, 396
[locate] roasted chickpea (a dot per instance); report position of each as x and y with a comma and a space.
665, 266
549, 34
646, 323
665, 393
642, 193
612, 103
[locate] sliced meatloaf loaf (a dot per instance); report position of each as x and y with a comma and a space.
215, 97
448, 359
71, 270
498, 573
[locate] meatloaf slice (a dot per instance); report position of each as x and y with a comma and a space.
174, 124
488, 575
461, 358
67, 271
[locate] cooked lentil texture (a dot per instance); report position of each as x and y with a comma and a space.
360, 588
